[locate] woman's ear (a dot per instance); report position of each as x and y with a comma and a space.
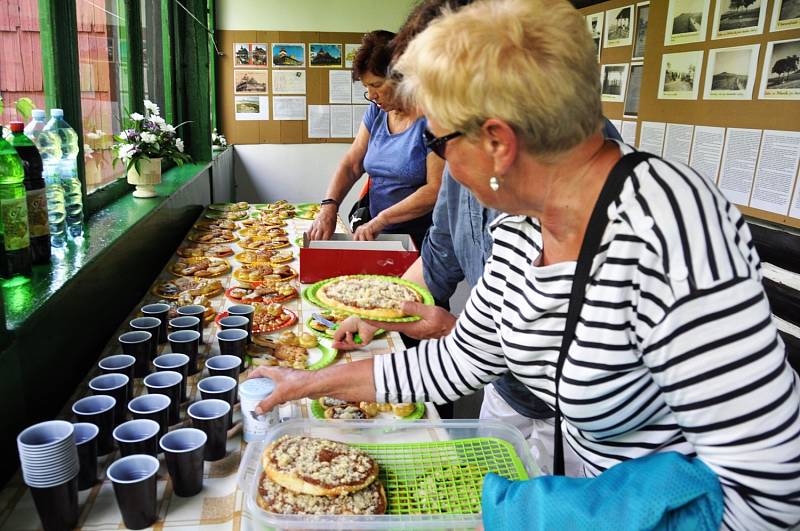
499, 141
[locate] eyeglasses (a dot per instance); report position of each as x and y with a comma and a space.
438, 144
366, 96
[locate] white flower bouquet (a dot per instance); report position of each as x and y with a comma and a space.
218, 140
147, 137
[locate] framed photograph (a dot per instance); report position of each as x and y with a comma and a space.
640, 35
350, 51
780, 79
634, 88
619, 27
241, 54
250, 82
258, 55
680, 76
686, 21
324, 55
594, 24
785, 15
737, 18
290, 55
731, 73
612, 82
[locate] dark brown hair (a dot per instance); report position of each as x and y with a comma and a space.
423, 14
374, 55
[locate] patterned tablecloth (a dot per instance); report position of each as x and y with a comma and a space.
220, 505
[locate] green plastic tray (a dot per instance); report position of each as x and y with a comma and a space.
310, 294
317, 333
319, 412
442, 477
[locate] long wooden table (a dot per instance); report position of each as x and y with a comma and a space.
220, 505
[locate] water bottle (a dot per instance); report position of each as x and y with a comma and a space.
49, 147
69, 142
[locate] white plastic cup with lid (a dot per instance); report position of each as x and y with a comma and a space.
251, 393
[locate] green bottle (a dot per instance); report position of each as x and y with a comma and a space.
13, 214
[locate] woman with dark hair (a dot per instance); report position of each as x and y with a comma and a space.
389, 146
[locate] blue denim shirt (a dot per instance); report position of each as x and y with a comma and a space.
456, 248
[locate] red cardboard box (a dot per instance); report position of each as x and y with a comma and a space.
390, 254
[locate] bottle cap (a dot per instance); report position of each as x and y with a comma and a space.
38, 114
17, 127
56, 113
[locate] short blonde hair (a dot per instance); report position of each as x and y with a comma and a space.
530, 63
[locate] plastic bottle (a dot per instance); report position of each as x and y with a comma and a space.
49, 147
35, 192
13, 214
70, 146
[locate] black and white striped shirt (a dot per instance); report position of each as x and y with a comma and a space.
675, 348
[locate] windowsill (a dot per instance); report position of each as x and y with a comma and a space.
101, 230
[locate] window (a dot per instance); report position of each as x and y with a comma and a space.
155, 46
21, 60
103, 85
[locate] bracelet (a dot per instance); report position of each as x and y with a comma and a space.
329, 201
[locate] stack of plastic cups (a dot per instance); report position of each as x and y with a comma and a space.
49, 460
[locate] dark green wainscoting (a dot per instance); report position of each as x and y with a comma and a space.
60, 321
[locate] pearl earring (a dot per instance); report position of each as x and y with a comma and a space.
494, 184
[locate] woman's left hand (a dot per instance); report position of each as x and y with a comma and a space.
371, 230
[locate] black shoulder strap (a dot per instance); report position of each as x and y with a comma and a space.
591, 242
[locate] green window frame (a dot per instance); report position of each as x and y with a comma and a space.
187, 63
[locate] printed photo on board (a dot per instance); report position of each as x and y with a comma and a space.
731, 73
640, 41
686, 21
594, 24
680, 74
329, 55
241, 54
634, 88
618, 26
250, 81
291, 55
258, 53
613, 79
781, 77
736, 18
785, 15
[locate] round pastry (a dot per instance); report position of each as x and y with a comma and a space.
403, 410
346, 412
308, 340
328, 401
276, 499
307, 465
289, 338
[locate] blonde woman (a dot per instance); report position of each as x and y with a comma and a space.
674, 351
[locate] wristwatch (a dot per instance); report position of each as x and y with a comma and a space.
329, 201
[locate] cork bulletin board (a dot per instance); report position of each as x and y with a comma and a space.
271, 131
751, 112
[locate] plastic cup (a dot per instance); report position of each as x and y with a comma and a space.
98, 410
233, 342
174, 362
153, 407
134, 481
47, 453
160, 311
119, 364
223, 365
221, 388
137, 437
167, 383
186, 342
245, 310
195, 310
234, 322
211, 416
251, 392
149, 324
115, 385
86, 441
57, 505
141, 345
185, 322
183, 452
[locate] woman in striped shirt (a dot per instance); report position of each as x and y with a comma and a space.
674, 350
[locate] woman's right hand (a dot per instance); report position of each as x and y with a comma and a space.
324, 223
343, 337
289, 385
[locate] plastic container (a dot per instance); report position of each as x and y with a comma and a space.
379, 432
251, 392
68, 141
49, 146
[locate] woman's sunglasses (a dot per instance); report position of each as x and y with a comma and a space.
438, 144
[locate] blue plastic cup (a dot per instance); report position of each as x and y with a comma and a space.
134, 481
141, 345
194, 310
174, 362
148, 324
221, 388
137, 437
160, 311
185, 322
183, 452
119, 364
86, 441
211, 416
115, 385
167, 383
98, 410
153, 407
234, 322
245, 310
233, 342
224, 365
186, 342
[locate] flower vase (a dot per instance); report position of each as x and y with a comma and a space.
145, 178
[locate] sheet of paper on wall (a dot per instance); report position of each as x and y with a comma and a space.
776, 171
794, 210
707, 151
288, 81
341, 121
319, 121
739, 164
251, 107
358, 116
628, 132
678, 142
288, 107
339, 86
651, 138
357, 91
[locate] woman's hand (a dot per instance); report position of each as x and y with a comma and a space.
343, 337
435, 322
290, 384
371, 230
324, 223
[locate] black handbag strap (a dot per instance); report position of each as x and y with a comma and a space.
591, 242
